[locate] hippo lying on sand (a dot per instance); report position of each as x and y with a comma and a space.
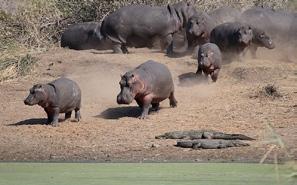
149, 84
59, 96
84, 36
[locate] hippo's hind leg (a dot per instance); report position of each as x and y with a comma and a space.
119, 48
155, 107
172, 100
124, 49
77, 114
116, 47
167, 43
68, 115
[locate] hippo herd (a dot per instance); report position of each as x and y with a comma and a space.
178, 29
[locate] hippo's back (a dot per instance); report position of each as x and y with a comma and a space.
157, 76
225, 14
69, 94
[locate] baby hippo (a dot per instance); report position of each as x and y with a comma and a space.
149, 84
59, 96
209, 61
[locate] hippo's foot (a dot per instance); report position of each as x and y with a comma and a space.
155, 107
143, 116
55, 124
67, 115
77, 115
172, 100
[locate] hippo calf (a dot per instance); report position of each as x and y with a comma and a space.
209, 61
84, 36
232, 38
149, 84
59, 96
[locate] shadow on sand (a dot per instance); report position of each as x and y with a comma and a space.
33, 121
120, 112
190, 79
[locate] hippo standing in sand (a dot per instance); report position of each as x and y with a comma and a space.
260, 39
60, 96
141, 25
149, 84
84, 36
233, 38
209, 61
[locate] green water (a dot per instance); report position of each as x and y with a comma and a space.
142, 174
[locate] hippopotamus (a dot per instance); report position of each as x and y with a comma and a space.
232, 38
225, 14
59, 96
141, 25
275, 23
199, 27
84, 36
149, 84
260, 39
209, 60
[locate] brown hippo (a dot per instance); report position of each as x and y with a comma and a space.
209, 60
60, 96
149, 84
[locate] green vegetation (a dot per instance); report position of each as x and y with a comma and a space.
146, 173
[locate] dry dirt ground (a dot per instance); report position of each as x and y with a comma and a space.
111, 132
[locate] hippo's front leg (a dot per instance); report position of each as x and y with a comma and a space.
146, 102
214, 75
55, 115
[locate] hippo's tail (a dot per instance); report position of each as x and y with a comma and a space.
63, 42
117, 39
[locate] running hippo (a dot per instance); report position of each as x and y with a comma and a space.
209, 61
199, 27
260, 39
59, 96
149, 84
141, 25
225, 14
84, 36
232, 38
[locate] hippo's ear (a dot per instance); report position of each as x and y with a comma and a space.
38, 86
170, 9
